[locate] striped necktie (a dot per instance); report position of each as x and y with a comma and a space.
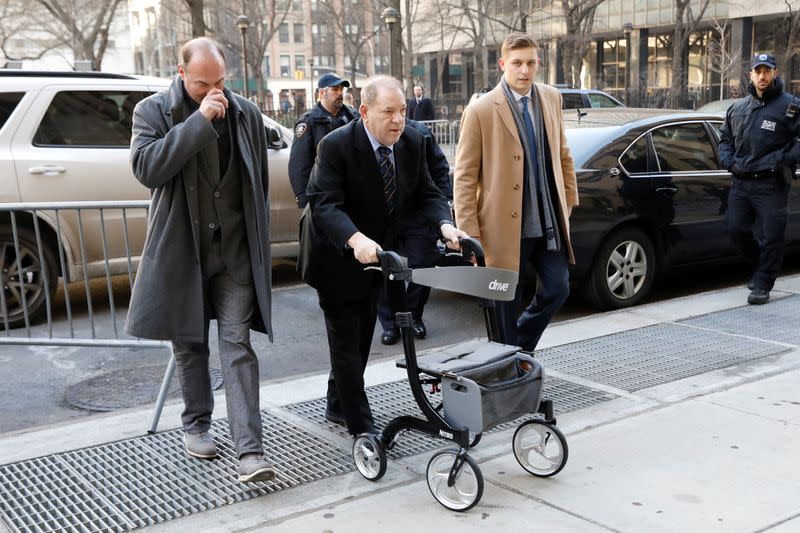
386, 171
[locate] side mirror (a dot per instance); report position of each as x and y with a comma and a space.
275, 139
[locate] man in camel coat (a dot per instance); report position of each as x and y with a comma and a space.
515, 188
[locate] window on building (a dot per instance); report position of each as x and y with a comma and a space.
299, 66
298, 32
684, 148
659, 61
89, 118
283, 33
286, 66
267, 66
615, 55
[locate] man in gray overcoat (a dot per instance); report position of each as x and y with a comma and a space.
202, 151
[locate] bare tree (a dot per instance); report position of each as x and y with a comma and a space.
196, 8
722, 56
355, 26
83, 26
437, 14
579, 21
266, 17
686, 21
15, 26
787, 30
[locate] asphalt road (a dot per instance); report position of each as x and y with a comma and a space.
36, 379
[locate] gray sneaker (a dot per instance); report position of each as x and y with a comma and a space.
200, 445
254, 467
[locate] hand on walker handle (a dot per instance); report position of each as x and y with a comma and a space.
364, 249
451, 234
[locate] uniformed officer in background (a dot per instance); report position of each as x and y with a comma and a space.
759, 146
329, 113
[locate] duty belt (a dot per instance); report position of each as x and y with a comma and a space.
762, 175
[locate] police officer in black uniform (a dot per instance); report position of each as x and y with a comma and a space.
329, 113
418, 244
759, 146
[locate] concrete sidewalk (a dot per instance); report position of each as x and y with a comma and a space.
713, 451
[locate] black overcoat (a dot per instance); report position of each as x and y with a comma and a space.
345, 195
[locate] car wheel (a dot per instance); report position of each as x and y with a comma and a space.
623, 271
24, 278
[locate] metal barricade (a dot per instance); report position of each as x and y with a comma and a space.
444, 133
88, 242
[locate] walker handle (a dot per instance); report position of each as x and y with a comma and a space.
472, 246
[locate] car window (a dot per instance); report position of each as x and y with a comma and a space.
601, 100
89, 118
684, 148
8, 102
716, 126
634, 160
571, 100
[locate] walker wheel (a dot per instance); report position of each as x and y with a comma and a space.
467, 487
369, 456
540, 448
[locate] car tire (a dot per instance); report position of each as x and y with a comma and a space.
623, 271
34, 280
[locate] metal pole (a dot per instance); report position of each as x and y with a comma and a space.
162, 393
244, 60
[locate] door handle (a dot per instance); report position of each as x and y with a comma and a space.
668, 190
47, 170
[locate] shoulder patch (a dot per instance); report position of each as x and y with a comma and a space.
300, 129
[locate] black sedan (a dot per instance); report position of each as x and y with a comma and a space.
652, 196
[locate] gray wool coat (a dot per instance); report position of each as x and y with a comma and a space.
167, 298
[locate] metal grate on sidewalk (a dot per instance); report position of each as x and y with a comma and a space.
147, 480
653, 355
775, 321
390, 400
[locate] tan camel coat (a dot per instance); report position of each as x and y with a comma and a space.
490, 166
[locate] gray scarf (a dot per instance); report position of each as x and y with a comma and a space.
539, 177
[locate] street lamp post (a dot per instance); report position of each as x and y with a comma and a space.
313, 99
243, 22
391, 17
626, 30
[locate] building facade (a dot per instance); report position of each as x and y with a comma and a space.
312, 37
630, 52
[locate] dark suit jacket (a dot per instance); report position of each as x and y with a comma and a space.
421, 111
345, 195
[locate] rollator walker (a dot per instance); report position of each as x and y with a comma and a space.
483, 384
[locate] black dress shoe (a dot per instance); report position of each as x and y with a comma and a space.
336, 418
419, 329
758, 297
390, 336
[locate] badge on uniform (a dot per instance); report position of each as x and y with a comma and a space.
768, 125
300, 129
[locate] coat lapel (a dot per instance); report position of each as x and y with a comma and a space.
367, 161
499, 98
403, 171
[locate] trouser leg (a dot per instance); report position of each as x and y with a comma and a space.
350, 326
740, 218
420, 248
552, 289
771, 206
191, 363
234, 305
